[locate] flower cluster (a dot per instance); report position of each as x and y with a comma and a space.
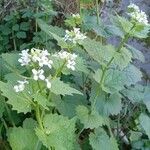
36, 58
25, 58
76, 16
70, 58
20, 86
74, 35
137, 14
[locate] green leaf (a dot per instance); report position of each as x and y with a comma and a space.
15, 27
22, 138
89, 119
67, 105
18, 101
100, 30
141, 31
6, 30
2, 105
114, 80
145, 123
122, 58
24, 26
86, 1
51, 31
99, 140
97, 51
11, 62
135, 94
146, 99
73, 22
108, 104
59, 87
138, 144
29, 123
136, 53
97, 75
81, 65
138, 94
21, 35
3, 70
131, 75
59, 132
114, 30
41, 99
122, 23
135, 136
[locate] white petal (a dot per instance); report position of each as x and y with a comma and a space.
41, 71
35, 77
34, 71
48, 83
16, 88
42, 77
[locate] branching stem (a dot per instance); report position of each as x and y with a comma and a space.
97, 12
124, 40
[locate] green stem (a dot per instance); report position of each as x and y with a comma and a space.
126, 37
79, 6
80, 132
36, 24
4, 123
39, 86
46, 36
97, 12
9, 114
14, 41
38, 116
28, 99
52, 148
109, 128
118, 126
58, 72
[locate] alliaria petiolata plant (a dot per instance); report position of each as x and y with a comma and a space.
81, 93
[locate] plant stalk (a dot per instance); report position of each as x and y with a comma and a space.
38, 116
97, 12
58, 72
126, 37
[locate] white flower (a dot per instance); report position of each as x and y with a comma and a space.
45, 53
71, 65
48, 83
70, 58
63, 54
76, 16
41, 57
20, 87
134, 7
42, 61
25, 58
38, 74
73, 56
49, 63
35, 53
74, 35
137, 14
45, 61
